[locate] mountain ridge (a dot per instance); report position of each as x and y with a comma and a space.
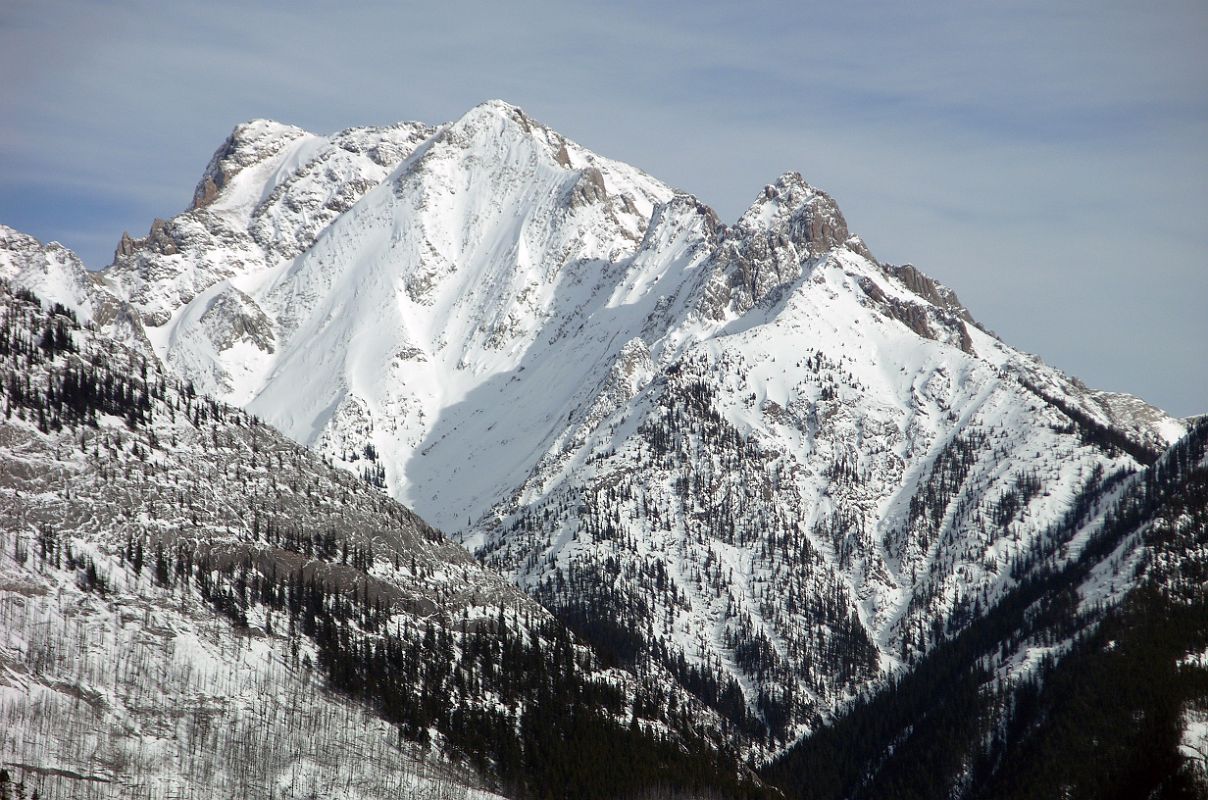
519, 330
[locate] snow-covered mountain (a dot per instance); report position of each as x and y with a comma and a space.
192, 605
751, 457
127, 668
1088, 680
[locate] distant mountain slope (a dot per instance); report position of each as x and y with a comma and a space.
751, 457
192, 604
1062, 689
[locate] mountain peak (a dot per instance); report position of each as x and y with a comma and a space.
496, 115
262, 128
497, 106
500, 128
249, 143
793, 209
496, 149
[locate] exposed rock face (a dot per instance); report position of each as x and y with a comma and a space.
234, 317
563, 156
942, 320
588, 189
250, 143
159, 240
787, 228
207, 192
929, 289
125, 247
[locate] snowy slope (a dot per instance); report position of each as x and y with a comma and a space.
55, 274
1087, 680
769, 458
142, 693
193, 605
115, 682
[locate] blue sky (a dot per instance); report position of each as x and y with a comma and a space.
1049, 161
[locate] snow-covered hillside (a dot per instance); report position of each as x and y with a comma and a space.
146, 692
122, 678
192, 605
1085, 681
749, 456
